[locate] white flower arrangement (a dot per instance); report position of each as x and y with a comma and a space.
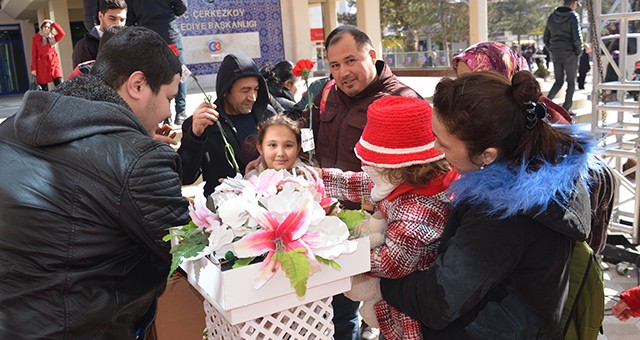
279, 215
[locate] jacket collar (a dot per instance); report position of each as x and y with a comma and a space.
505, 191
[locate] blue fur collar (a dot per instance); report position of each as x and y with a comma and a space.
505, 191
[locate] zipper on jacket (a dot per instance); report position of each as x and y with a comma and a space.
335, 157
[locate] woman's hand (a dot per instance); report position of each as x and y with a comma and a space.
204, 116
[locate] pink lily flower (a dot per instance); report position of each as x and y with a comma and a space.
276, 236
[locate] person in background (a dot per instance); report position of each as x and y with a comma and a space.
112, 13
628, 306
508, 240
81, 252
584, 66
241, 104
339, 116
563, 37
85, 67
283, 86
45, 63
90, 8
160, 16
497, 57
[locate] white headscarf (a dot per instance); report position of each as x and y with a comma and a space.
49, 37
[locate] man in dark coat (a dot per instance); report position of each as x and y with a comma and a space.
111, 13
88, 198
563, 38
241, 103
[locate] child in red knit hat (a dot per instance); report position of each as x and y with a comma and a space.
407, 180
629, 305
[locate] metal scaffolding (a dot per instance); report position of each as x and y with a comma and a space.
615, 114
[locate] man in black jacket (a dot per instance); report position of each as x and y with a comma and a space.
563, 38
241, 103
88, 195
111, 13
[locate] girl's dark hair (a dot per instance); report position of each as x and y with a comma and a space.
278, 74
137, 49
279, 119
485, 109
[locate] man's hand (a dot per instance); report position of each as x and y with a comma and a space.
203, 116
253, 165
164, 134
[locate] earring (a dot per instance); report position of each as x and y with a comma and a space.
482, 166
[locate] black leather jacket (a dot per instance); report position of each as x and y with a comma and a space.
85, 198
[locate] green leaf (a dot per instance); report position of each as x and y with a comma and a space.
242, 262
331, 263
351, 218
295, 264
191, 245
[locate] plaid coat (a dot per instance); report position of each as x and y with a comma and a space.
415, 224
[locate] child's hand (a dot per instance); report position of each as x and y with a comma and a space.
622, 311
204, 115
253, 165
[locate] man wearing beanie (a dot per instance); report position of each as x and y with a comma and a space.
406, 179
339, 116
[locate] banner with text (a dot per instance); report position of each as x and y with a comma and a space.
211, 29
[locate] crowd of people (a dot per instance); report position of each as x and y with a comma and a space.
474, 246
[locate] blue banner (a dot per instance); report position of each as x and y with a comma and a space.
211, 29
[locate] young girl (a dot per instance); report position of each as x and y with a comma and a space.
407, 180
279, 143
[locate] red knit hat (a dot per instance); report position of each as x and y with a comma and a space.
398, 134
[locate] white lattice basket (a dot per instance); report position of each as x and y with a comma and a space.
311, 321
233, 294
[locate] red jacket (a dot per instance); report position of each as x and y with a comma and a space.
44, 59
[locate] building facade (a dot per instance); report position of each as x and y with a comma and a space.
267, 30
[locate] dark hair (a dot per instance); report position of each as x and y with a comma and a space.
137, 49
108, 34
417, 175
106, 5
277, 75
361, 38
485, 109
279, 119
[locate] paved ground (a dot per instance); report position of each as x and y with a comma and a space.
615, 283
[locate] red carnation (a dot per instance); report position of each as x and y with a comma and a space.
302, 68
174, 49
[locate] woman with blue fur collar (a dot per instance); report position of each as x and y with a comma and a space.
522, 201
